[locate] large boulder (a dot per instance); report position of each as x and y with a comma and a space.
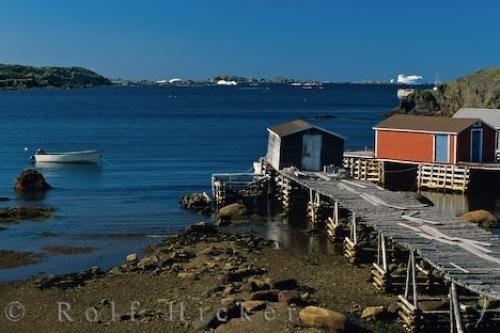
323, 318
482, 217
29, 181
231, 212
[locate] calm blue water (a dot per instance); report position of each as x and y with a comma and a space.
158, 143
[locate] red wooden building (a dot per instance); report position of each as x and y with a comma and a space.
434, 140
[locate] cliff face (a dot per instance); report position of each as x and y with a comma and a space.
18, 76
481, 89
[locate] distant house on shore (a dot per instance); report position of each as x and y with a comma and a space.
304, 146
434, 139
490, 116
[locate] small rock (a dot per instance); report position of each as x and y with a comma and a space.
210, 264
131, 259
289, 297
320, 317
187, 276
200, 227
147, 263
252, 306
287, 284
229, 290
305, 297
372, 312
227, 300
215, 290
225, 311
258, 284
265, 295
207, 251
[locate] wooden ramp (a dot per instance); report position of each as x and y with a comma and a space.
467, 255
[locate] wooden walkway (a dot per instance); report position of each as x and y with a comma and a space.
467, 255
370, 155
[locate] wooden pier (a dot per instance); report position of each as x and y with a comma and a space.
444, 259
457, 177
227, 185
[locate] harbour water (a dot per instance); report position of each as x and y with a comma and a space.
158, 143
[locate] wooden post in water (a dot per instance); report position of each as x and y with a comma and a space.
351, 242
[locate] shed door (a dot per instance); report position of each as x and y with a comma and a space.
311, 152
441, 148
476, 145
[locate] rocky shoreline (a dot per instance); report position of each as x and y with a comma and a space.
204, 279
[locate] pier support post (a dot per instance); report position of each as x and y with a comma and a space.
333, 223
351, 243
380, 274
315, 209
410, 314
455, 319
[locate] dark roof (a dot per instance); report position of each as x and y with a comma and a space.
298, 126
290, 128
425, 123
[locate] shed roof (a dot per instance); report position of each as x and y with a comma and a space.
298, 126
490, 116
426, 124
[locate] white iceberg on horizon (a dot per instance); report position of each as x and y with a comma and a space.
226, 83
410, 79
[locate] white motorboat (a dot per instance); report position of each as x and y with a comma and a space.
81, 156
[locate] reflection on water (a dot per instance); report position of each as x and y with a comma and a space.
451, 204
456, 204
70, 170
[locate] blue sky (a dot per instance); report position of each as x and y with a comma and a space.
324, 40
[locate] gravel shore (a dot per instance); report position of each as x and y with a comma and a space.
181, 283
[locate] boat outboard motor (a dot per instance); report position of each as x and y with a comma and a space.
39, 151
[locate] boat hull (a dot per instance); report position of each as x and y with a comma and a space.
87, 156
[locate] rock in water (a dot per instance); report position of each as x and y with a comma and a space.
232, 211
482, 217
320, 317
200, 202
29, 181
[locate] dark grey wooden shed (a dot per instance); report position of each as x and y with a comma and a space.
303, 145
